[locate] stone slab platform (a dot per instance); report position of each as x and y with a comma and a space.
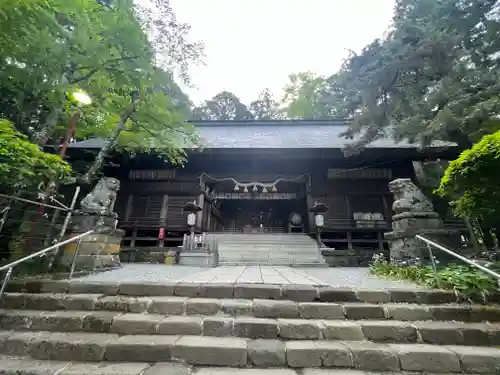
336, 277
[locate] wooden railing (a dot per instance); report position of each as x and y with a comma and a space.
253, 230
330, 224
153, 223
350, 224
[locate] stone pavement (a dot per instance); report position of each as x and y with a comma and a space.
337, 277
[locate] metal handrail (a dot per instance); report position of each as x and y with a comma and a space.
472, 263
9, 267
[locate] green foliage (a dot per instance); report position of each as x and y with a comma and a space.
304, 97
223, 106
112, 50
434, 76
468, 283
265, 107
472, 181
22, 163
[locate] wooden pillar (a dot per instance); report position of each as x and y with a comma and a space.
310, 215
209, 219
128, 209
163, 217
387, 212
380, 238
348, 207
200, 203
206, 212
134, 237
349, 216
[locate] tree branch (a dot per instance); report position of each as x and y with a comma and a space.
103, 66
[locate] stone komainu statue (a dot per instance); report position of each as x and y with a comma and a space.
101, 200
408, 197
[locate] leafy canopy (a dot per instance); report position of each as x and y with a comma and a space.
23, 164
434, 76
114, 50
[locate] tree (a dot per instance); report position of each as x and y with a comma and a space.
305, 97
472, 181
433, 77
23, 164
265, 107
111, 49
223, 106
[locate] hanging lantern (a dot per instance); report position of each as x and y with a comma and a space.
236, 187
255, 189
245, 189
264, 190
274, 189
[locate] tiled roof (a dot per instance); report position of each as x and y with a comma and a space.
273, 134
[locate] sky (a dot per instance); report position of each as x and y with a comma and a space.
255, 44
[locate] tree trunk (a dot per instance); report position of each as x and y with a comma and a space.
110, 143
43, 135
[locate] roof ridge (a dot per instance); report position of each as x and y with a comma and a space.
325, 122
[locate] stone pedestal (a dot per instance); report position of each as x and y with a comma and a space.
98, 250
199, 250
405, 246
414, 214
198, 259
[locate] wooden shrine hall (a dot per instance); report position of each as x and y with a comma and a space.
264, 177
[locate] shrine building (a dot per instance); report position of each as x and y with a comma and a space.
264, 177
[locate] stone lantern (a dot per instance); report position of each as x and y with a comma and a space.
192, 209
318, 209
197, 250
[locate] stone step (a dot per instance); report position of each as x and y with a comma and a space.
261, 308
275, 251
301, 265
277, 245
290, 259
262, 244
270, 254
302, 293
12, 365
270, 261
429, 332
239, 352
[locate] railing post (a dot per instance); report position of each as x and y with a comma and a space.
5, 281
73, 263
55, 257
434, 268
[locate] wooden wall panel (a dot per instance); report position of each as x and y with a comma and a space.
343, 187
176, 217
164, 187
369, 203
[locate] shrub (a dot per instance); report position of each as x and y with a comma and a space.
468, 283
472, 180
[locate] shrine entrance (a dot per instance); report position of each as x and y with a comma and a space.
260, 206
262, 216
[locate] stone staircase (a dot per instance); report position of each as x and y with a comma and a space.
82, 327
271, 249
